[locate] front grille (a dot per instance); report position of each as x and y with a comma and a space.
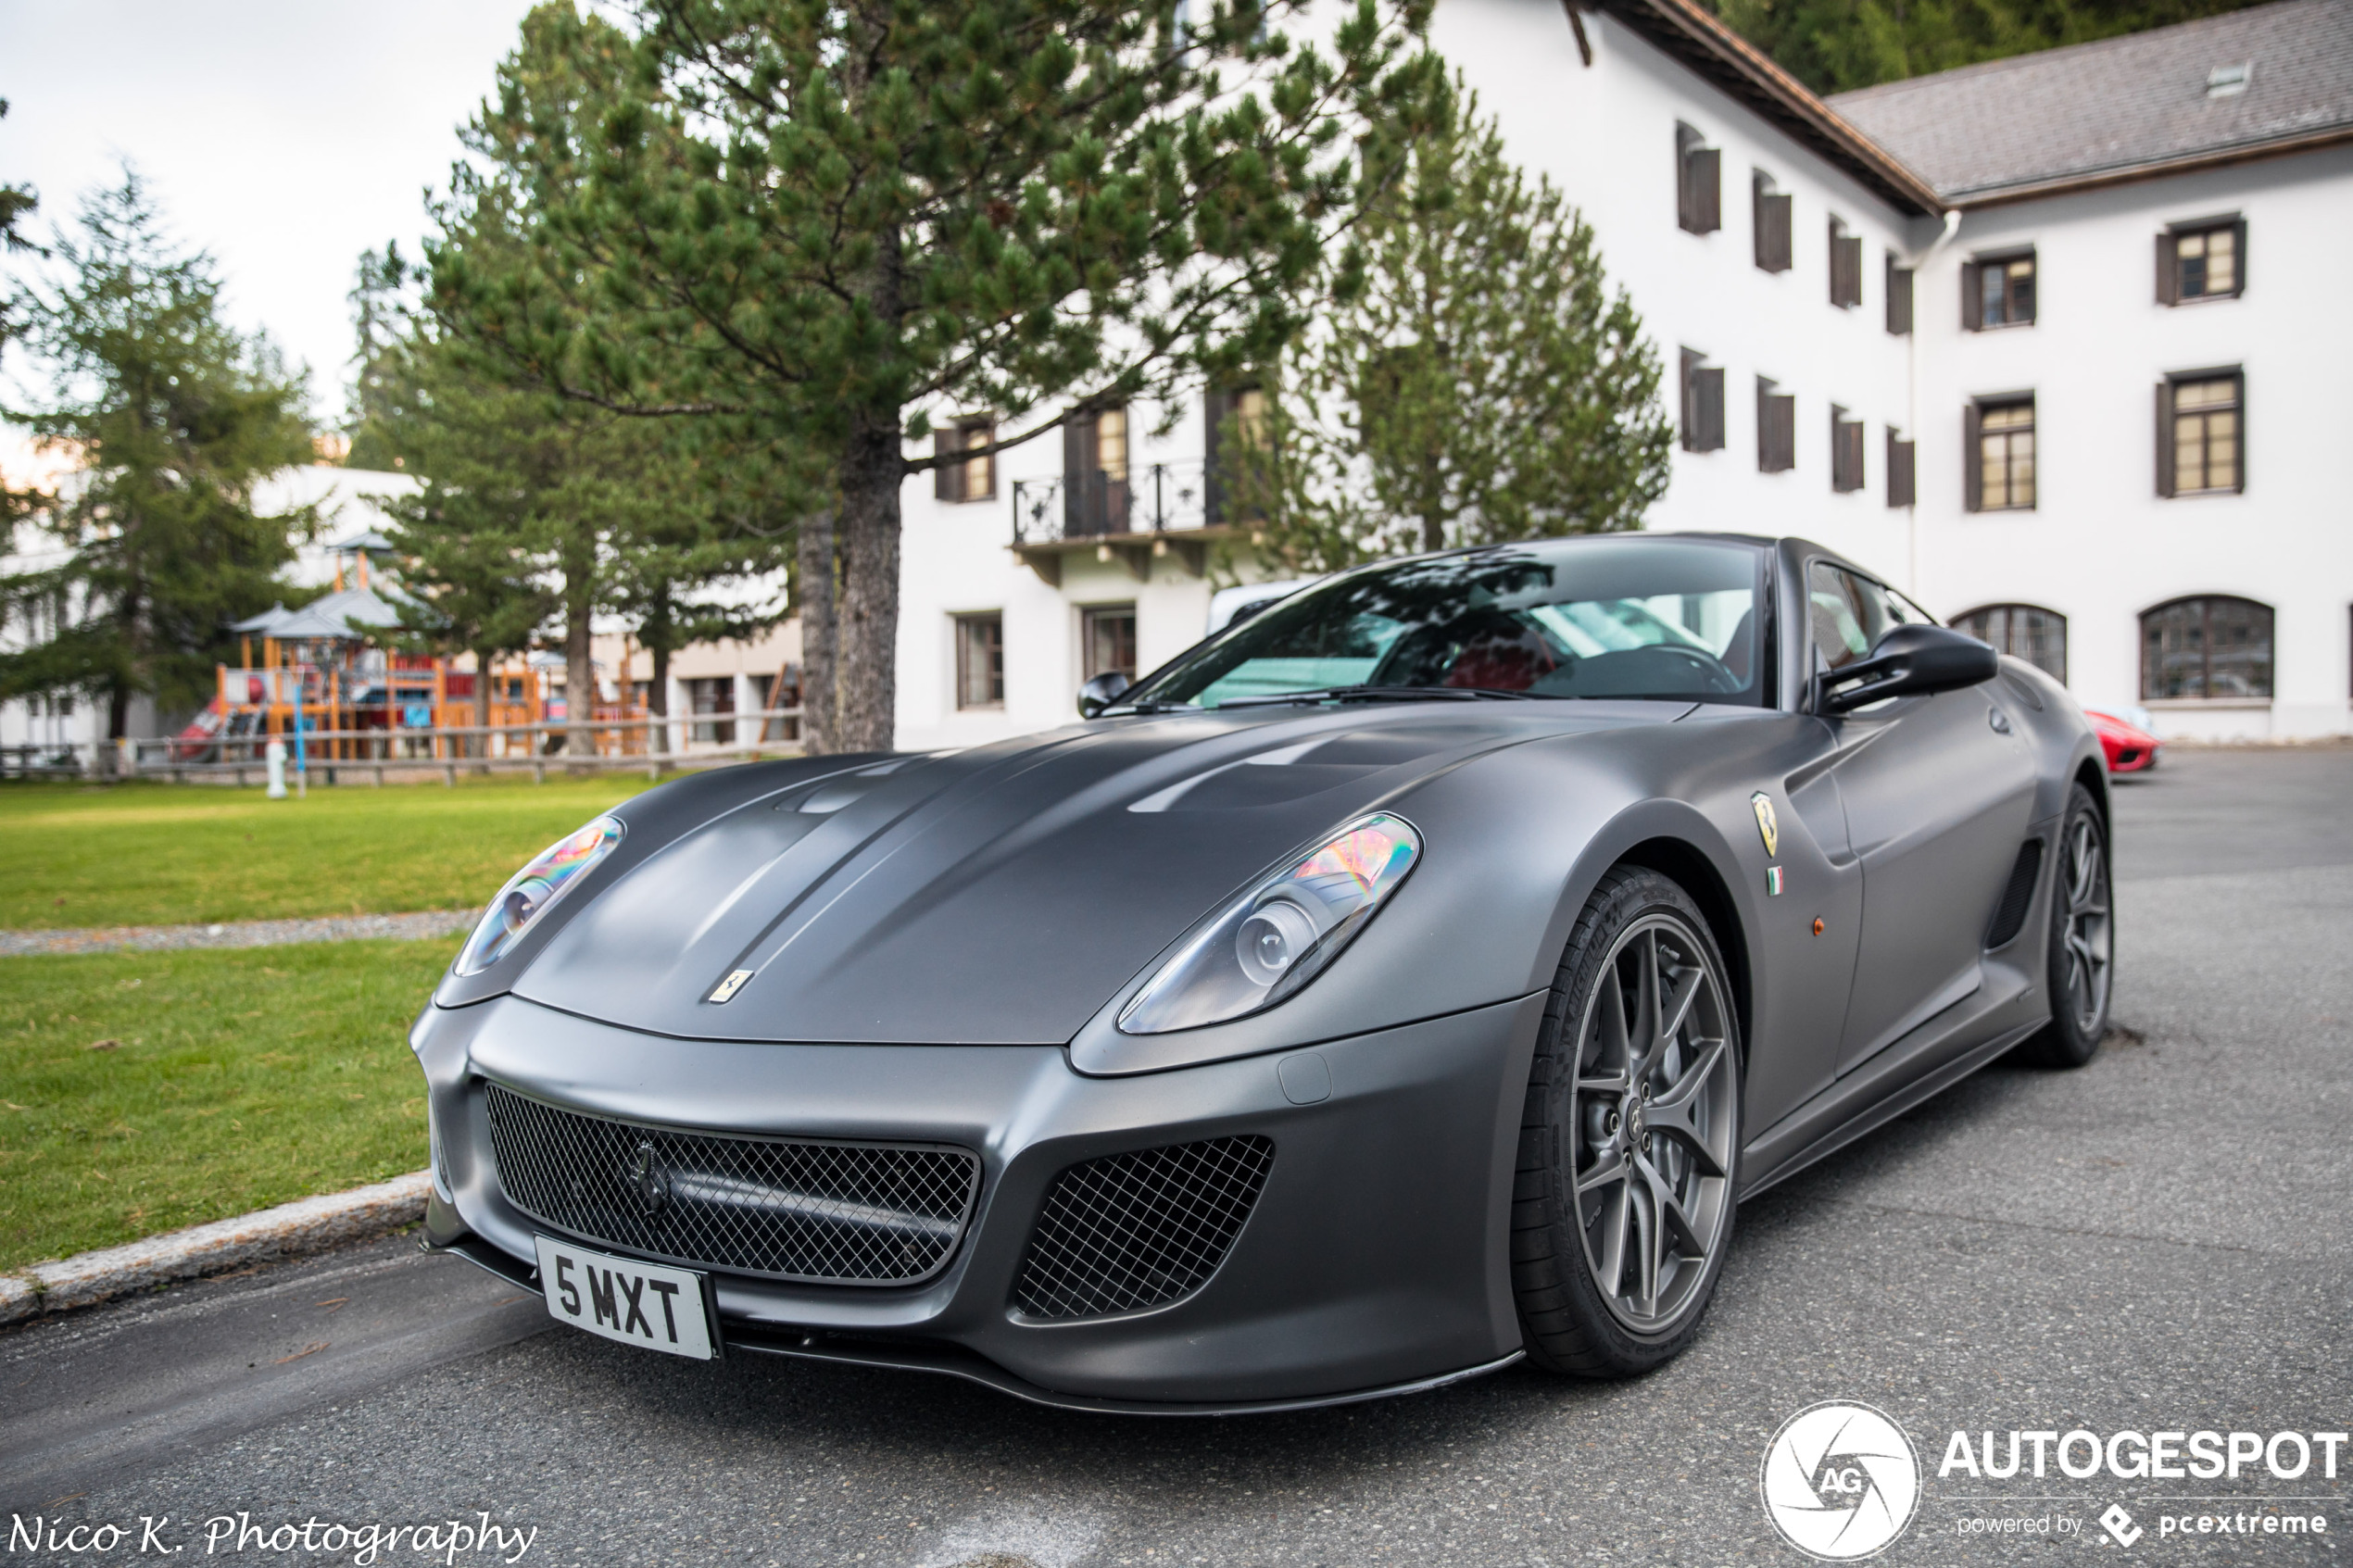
1132, 1231
836, 1214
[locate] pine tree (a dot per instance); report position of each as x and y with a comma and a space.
818, 223
16, 204
1482, 385
172, 415
537, 513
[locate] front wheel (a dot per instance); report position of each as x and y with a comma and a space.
2083, 942
1622, 1210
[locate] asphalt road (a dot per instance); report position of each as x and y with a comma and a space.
2163, 1241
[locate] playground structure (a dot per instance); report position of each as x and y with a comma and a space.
325, 687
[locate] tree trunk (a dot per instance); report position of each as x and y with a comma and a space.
867, 635
658, 700
480, 745
118, 725
817, 564
580, 670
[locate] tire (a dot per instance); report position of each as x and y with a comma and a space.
2080, 964
1622, 1206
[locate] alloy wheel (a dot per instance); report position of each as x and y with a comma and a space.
1655, 1122
2086, 937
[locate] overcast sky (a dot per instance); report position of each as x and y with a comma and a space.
282, 137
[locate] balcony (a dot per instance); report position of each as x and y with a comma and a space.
1147, 514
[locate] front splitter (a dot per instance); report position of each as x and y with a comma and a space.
951, 1361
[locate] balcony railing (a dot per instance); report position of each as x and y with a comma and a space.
1160, 498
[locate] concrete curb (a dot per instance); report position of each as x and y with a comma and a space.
309, 1224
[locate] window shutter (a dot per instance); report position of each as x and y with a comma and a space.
1688, 392
1708, 386
2169, 270
1901, 478
1079, 473
1899, 297
2165, 438
1772, 231
1846, 266
2239, 429
1706, 173
948, 479
1217, 408
1776, 428
1972, 460
1972, 296
2238, 233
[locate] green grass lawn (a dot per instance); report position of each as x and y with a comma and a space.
239, 1079
164, 854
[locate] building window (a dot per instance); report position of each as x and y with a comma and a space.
2201, 433
1772, 224
2213, 648
2201, 261
1903, 472
2000, 437
1899, 298
1703, 403
1095, 474
1776, 428
973, 479
1699, 182
2036, 635
1235, 414
706, 698
1847, 452
981, 660
1998, 291
1109, 634
1846, 266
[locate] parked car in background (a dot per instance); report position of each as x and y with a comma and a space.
2130, 749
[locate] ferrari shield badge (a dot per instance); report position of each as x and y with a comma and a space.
1766, 825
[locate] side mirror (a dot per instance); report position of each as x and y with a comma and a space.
1906, 661
1102, 692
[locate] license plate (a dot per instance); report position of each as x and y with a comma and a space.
647, 1305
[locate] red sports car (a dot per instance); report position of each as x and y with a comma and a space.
2130, 749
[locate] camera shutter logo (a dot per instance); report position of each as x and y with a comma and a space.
1840, 1481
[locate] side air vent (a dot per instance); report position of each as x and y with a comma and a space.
1132, 1231
2009, 916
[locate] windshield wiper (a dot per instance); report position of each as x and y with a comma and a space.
1379, 694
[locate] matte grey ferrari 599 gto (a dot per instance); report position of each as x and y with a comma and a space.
1411, 978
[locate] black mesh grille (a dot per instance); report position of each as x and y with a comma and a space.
1131, 1231
2009, 915
831, 1212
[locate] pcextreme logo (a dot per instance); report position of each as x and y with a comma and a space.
1840, 1481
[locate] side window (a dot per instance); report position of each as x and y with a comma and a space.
1849, 614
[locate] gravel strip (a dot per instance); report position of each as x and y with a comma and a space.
239, 934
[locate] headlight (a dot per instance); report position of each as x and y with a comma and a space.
1276, 936
531, 890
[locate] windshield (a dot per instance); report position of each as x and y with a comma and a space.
1618, 617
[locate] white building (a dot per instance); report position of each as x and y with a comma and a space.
2147, 286
1800, 267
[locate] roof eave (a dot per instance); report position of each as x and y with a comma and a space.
1971, 200
1694, 37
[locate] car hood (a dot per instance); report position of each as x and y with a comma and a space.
1001, 894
